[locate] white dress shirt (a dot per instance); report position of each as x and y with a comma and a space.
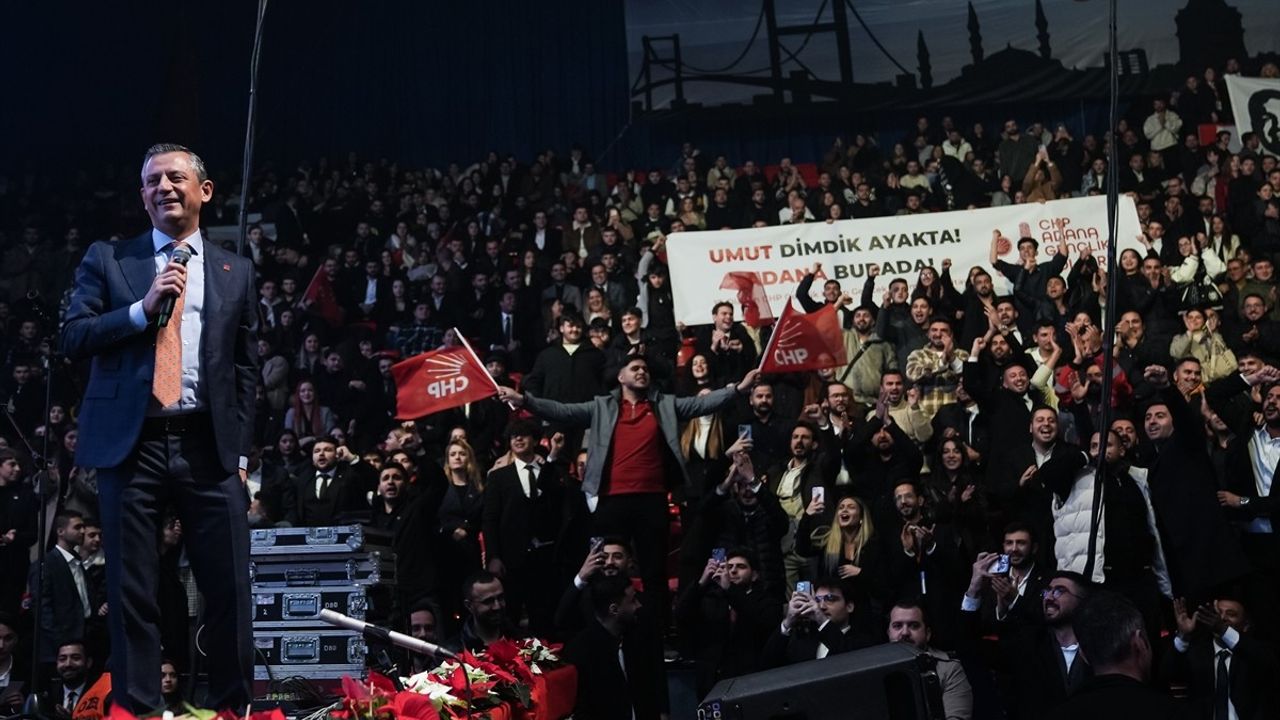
77, 574
528, 474
1264, 452
193, 391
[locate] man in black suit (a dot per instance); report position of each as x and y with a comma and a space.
1013, 477
17, 530
1250, 472
815, 626
1008, 405
64, 591
511, 331
1038, 653
335, 487
167, 418
727, 615
620, 671
1203, 553
524, 520
1113, 640
543, 240
75, 676
1213, 644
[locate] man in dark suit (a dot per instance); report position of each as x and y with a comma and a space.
75, 676
64, 590
524, 519
542, 239
816, 626
620, 671
1202, 552
511, 331
1249, 488
167, 418
1013, 477
1038, 651
336, 486
727, 615
1113, 640
1215, 643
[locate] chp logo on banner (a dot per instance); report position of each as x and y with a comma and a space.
805, 341
1256, 104
439, 380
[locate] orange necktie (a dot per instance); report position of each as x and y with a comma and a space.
166, 383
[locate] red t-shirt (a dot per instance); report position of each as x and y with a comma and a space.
637, 451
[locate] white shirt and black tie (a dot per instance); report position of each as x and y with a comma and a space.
1223, 650
71, 696
323, 481
528, 474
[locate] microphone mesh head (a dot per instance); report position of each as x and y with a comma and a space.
182, 254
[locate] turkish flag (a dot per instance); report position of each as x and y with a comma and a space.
751, 296
805, 341
439, 380
321, 298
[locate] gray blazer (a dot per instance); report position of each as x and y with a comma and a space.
601, 415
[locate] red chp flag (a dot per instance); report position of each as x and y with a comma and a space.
751, 296
439, 380
805, 341
321, 298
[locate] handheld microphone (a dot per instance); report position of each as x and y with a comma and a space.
408, 642
181, 255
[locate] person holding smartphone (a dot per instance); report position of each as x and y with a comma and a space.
816, 625
727, 616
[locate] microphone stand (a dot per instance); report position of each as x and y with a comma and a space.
31, 707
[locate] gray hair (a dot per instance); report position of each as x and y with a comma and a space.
161, 148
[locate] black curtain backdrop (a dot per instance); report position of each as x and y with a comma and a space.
420, 82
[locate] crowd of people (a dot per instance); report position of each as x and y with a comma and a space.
638, 490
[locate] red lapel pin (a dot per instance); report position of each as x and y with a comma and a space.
226, 267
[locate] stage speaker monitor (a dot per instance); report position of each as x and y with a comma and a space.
885, 682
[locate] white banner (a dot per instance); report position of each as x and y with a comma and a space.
1256, 104
900, 245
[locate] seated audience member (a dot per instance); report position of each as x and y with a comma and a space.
1227, 669
908, 625
425, 624
485, 601
1112, 640
1039, 654
816, 625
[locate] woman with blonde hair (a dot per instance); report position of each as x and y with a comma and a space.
459, 514
847, 547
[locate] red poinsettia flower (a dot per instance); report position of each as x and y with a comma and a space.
382, 683
457, 681
413, 706
119, 713
503, 651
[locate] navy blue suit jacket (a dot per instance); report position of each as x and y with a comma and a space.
112, 277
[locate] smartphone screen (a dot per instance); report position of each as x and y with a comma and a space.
744, 431
804, 586
719, 555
